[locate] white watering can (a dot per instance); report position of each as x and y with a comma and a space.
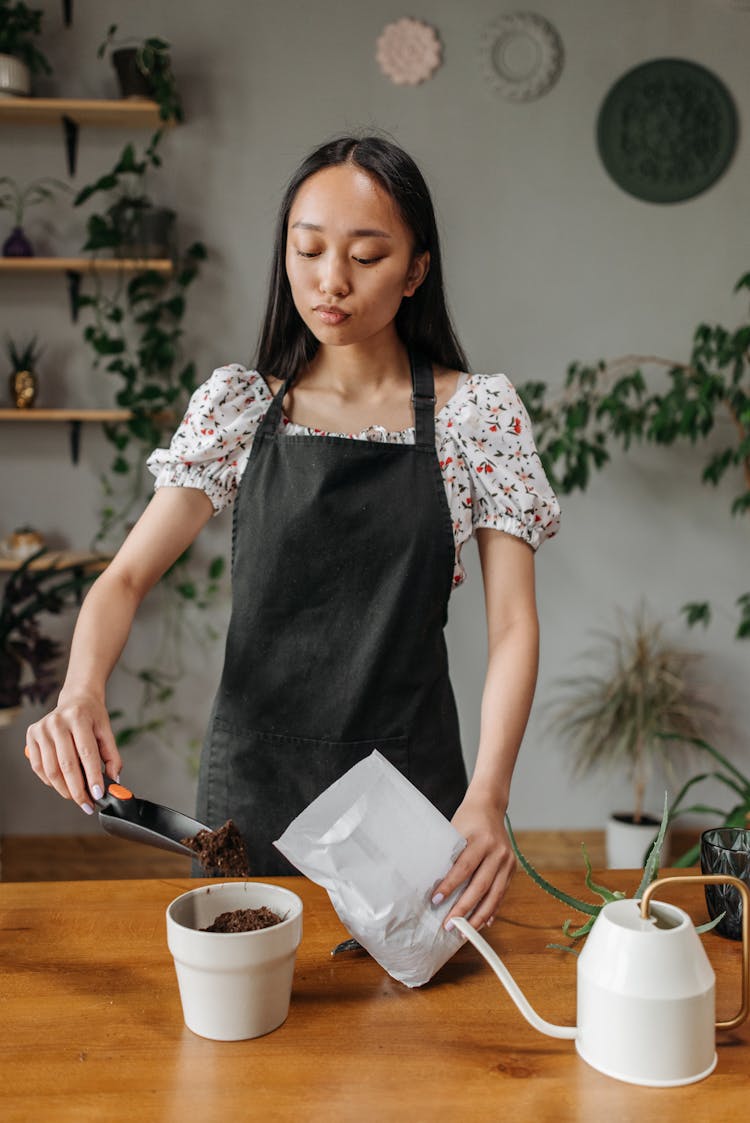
646, 990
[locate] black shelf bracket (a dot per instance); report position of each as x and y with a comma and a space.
75, 441
70, 128
74, 288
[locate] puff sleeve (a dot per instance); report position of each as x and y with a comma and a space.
211, 445
491, 466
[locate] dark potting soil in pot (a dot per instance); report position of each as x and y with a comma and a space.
221, 853
244, 920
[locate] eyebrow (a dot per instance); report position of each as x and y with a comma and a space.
363, 233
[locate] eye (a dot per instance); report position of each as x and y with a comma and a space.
368, 260
301, 253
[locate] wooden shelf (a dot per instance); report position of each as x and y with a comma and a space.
34, 414
82, 111
84, 265
56, 559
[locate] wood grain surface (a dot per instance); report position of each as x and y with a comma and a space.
92, 1027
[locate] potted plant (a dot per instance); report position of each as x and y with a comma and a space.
23, 379
24, 648
144, 70
15, 198
19, 55
641, 687
131, 226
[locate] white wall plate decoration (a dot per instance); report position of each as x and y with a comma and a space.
522, 55
408, 51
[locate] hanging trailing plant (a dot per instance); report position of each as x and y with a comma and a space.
612, 403
135, 332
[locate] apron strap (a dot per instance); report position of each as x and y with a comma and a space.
423, 400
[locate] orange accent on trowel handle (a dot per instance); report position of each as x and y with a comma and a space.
119, 792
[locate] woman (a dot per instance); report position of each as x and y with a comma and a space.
359, 456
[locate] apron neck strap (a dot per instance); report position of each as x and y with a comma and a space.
422, 396
423, 399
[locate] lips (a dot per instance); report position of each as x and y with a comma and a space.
331, 315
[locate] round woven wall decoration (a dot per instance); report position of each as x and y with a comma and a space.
408, 51
667, 130
522, 56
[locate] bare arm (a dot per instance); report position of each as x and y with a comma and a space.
66, 746
513, 646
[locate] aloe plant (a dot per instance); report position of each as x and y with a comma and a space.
589, 908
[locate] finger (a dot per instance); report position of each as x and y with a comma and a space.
63, 769
461, 870
87, 750
485, 910
34, 757
472, 903
108, 751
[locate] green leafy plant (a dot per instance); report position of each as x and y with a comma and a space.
590, 909
727, 774
15, 198
23, 356
154, 62
640, 687
29, 593
19, 26
613, 402
116, 228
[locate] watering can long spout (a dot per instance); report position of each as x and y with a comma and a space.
512, 987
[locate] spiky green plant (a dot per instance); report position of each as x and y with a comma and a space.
589, 908
728, 775
641, 688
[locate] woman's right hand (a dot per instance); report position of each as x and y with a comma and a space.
66, 748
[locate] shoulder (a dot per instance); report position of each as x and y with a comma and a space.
232, 381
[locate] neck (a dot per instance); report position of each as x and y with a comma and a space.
371, 366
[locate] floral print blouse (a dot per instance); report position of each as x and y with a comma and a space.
491, 469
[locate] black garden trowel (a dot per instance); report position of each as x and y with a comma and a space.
125, 815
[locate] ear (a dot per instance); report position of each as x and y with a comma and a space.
418, 270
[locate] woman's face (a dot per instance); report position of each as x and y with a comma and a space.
349, 256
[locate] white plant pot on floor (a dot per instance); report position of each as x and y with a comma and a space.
628, 843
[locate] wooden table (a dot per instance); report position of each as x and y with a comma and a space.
91, 1026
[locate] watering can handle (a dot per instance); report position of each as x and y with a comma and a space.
717, 879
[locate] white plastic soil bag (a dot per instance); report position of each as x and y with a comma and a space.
380, 847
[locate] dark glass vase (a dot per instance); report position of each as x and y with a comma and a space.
17, 244
726, 850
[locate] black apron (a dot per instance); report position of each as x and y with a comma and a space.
342, 565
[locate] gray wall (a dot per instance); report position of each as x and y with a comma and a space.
547, 260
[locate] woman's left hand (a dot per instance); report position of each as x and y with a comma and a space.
487, 861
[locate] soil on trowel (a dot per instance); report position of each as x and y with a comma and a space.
244, 920
221, 853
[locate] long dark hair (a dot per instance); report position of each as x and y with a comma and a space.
422, 321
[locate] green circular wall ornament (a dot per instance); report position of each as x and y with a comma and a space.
667, 130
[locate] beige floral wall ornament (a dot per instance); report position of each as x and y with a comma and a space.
408, 51
522, 55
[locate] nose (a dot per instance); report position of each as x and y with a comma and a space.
334, 278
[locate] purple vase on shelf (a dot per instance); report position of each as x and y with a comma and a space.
17, 244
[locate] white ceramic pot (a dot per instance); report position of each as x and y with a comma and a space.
15, 77
234, 985
628, 843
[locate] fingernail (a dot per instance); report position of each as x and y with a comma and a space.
490, 922
448, 925
117, 778
438, 898
87, 808
97, 791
